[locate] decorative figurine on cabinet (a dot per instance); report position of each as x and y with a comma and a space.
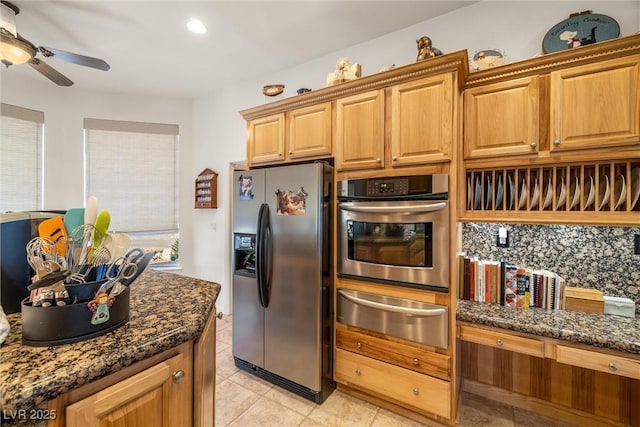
344, 72
425, 50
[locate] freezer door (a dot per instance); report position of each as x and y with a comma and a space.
248, 321
248, 195
293, 319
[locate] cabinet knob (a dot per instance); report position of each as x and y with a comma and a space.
219, 315
416, 362
359, 345
378, 160
556, 142
358, 372
613, 367
394, 158
416, 391
178, 376
499, 342
534, 145
290, 152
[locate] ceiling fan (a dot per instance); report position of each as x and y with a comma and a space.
15, 49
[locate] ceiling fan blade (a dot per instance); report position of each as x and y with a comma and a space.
75, 58
49, 72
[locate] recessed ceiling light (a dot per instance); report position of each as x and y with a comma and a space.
196, 26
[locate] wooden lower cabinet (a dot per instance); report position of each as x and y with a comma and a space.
173, 388
404, 387
567, 382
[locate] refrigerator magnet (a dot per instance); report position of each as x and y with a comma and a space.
246, 187
291, 202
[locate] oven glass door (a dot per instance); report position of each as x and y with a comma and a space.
404, 241
405, 244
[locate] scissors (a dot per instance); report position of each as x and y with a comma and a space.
124, 267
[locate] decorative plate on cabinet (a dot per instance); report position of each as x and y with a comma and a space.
578, 30
486, 58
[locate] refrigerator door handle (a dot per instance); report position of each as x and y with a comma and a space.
260, 254
268, 256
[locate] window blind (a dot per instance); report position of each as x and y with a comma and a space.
21, 140
131, 168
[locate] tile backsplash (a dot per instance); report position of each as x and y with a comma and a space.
586, 256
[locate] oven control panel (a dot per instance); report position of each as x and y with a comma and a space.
414, 186
387, 187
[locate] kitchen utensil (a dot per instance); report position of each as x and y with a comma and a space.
79, 243
591, 193
562, 195
548, 197
619, 191
499, 192
635, 187
49, 279
91, 211
142, 264
118, 244
574, 192
42, 256
523, 195
604, 193
102, 225
82, 292
73, 218
124, 267
54, 229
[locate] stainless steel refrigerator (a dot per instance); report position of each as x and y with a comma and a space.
282, 280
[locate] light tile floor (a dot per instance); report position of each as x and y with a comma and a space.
243, 400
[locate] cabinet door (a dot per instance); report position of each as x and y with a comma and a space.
502, 119
422, 121
265, 140
309, 131
158, 396
596, 105
360, 131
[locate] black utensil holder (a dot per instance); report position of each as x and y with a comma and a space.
57, 325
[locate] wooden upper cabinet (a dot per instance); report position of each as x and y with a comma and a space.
158, 396
596, 105
360, 131
265, 140
422, 125
502, 119
309, 131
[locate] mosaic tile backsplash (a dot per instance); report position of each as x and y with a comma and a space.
588, 257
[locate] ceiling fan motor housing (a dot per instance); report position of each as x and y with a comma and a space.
8, 12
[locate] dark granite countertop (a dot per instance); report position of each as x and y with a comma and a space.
599, 330
166, 310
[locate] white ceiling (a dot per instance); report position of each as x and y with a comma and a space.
151, 52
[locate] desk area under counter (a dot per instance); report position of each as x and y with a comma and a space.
164, 354
563, 364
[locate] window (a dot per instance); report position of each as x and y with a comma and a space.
131, 168
21, 139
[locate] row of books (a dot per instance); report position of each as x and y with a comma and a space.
504, 283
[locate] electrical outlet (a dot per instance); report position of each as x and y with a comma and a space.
503, 238
636, 244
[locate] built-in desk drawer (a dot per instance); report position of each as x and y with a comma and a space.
402, 386
530, 346
400, 354
597, 361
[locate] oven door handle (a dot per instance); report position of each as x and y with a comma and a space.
391, 307
362, 207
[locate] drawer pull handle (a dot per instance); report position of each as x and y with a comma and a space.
613, 367
499, 342
416, 391
416, 362
178, 376
359, 345
358, 372
219, 316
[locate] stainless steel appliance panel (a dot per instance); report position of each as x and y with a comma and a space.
248, 320
403, 318
433, 213
248, 195
293, 318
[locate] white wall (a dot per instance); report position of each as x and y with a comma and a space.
212, 133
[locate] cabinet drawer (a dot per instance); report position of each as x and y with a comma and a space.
508, 342
403, 355
402, 386
603, 362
